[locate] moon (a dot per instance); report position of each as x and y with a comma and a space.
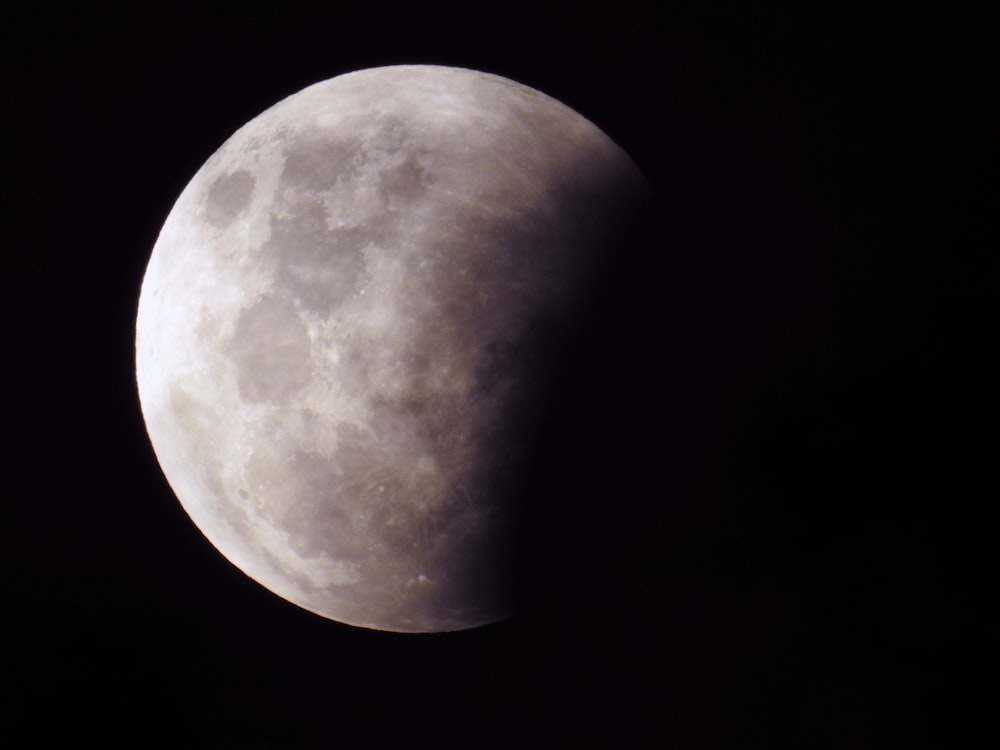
348, 326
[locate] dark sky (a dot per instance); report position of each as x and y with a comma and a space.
763, 491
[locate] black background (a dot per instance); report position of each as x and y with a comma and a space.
762, 494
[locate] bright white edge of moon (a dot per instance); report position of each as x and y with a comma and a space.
329, 332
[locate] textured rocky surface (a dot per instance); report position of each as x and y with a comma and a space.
347, 319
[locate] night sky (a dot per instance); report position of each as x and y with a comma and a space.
761, 494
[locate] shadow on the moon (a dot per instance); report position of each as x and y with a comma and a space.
589, 494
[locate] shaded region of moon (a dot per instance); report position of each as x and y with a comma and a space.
347, 326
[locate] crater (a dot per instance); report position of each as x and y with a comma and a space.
228, 197
270, 348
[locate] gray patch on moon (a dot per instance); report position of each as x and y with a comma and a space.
304, 500
228, 197
403, 184
393, 133
270, 348
319, 165
319, 266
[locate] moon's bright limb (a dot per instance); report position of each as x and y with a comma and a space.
343, 318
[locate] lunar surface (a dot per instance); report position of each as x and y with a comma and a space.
348, 324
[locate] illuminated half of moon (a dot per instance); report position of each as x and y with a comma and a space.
346, 327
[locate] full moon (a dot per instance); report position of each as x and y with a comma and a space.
349, 325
